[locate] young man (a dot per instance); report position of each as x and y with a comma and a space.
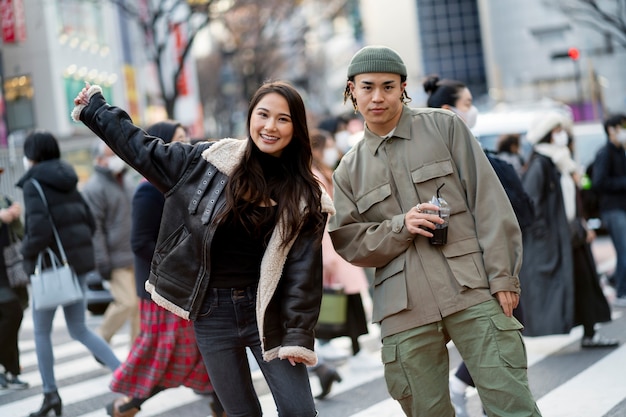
609, 179
426, 295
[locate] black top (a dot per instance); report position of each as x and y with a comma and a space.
237, 251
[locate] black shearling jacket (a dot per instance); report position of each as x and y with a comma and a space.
192, 179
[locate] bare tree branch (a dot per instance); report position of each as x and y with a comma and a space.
597, 16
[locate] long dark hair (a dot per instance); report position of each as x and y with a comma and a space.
295, 183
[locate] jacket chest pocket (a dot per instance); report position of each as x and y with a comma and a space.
376, 204
431, 177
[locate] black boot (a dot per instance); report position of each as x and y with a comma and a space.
327, 376
51, 401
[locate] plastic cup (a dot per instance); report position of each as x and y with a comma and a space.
440, 234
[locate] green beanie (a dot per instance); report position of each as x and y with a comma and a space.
376, 59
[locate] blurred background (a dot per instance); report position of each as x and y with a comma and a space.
198, 61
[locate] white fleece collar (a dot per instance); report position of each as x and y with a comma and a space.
225, 155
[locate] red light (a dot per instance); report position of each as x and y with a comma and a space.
573, 53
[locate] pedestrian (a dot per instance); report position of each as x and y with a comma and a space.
426, 295
561, 287
455, 96
337, 273
609, 181
509, 151
13, 300
109, 191
76, 226
590, 304
165, 354
239, 250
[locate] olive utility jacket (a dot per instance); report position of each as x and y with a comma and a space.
379, 180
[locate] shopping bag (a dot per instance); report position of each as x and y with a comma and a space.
13, 260
54, 286
333, 316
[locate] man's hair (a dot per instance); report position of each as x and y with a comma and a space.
614, 120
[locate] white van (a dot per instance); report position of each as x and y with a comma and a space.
588, 136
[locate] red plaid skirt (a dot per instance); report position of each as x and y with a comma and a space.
164, 354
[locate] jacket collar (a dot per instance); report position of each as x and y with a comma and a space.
402, 131
225, 154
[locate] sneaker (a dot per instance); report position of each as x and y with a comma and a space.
459, 403
14, 382
598, 341
3, 381
620, 301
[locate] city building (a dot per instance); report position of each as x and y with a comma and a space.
505, 50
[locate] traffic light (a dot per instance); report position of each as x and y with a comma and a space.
573, 53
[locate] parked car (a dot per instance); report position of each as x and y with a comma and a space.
589, 137
98, 296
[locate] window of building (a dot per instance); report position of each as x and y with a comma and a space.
18, 95
451, 41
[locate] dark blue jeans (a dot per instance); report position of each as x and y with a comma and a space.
226, 326
615, 222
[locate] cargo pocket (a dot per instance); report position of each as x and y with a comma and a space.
509, 342
390, 284
397, 382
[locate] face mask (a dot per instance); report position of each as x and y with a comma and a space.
469, 117
115, 164
331, 157
560, 138
27, 163
621, 136
342, 140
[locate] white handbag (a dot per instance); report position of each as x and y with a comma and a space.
56, 285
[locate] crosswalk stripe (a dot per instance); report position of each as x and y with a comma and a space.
91, 392
600, 385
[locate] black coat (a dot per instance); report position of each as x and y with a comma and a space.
547, 276
609, 177
68, 210
146, 220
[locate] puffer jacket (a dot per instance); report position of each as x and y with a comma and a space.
70, 213
110, 202
192, 179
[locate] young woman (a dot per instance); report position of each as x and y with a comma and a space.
165, 354
75, 224
239, 250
